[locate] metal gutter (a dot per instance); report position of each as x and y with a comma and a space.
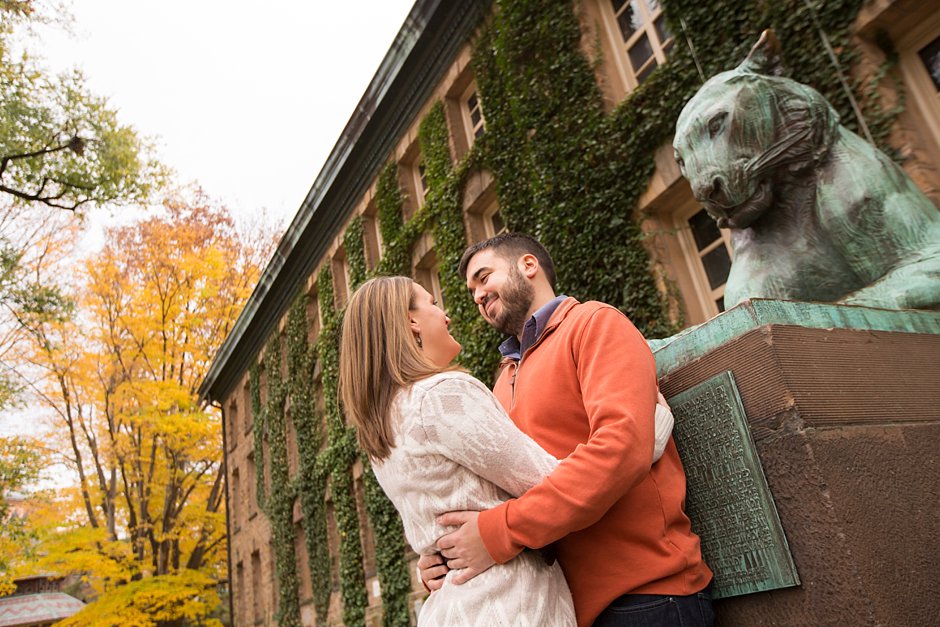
424, 48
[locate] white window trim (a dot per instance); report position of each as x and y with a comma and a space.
704, 294
423, 250
465, 113
622, 56
920, 85
487, 215
372, 229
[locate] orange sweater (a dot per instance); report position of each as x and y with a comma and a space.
587, 395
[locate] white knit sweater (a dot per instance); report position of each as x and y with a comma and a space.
456, 449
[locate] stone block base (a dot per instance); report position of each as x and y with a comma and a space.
845, 417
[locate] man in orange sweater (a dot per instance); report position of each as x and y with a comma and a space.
581, 381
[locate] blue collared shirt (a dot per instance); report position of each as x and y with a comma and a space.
531, 332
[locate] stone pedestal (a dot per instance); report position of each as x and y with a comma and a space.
843, 405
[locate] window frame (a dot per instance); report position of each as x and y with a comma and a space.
705, 295
339, 267
472, 131
235, 511
489, 225
372, 243
419, 171
622, 62
426, 267
923, 91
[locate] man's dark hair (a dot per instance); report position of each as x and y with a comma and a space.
511, 246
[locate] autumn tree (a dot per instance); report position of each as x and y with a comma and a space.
21, 462
34, 248
121, 376
61, 148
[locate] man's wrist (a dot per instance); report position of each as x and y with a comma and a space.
494, 532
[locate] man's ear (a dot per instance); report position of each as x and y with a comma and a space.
528, 265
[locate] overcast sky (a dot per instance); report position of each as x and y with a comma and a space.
247, 98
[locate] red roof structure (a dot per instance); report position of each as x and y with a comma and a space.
34, 610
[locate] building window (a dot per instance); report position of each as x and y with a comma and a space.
471, 108
262, 381
313, 317
475, 111
252, 479
421, 182
235, 501
493, 221
708, 252
482, 216
371, 236
919, 54
232, 420
426, 269
340, 271
930, 57
638, 30
256, 587
265, 467
240, 594
692, 255
413, 179
275, 596
464, 109
486, 221
246, 404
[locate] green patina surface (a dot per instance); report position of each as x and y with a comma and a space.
673, 352
729, 501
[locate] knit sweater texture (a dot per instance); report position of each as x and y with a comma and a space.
455, 449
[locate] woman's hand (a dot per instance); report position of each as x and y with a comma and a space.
432, 569
464, 548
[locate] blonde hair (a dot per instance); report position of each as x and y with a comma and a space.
378, 357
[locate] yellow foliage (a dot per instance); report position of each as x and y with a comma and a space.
188, 595
104, 564
145, 524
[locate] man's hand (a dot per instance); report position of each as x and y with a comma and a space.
431, 570
464, 548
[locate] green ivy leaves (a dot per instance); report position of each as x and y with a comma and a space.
568, 172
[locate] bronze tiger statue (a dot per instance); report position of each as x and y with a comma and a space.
815, 212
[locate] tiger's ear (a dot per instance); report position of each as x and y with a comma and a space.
764, 57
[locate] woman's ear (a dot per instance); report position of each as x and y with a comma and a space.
415, 327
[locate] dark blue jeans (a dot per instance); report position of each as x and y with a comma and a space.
658, 610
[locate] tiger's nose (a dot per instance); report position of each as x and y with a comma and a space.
714, 192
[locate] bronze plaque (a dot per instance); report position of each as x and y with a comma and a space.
728, 499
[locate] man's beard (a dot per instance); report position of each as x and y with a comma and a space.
515, 299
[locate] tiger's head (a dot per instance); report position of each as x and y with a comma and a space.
746, 130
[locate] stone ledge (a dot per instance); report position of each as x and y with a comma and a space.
683, 348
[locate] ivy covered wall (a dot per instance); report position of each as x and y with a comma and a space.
567, 171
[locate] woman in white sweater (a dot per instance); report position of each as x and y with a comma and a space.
439, 441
